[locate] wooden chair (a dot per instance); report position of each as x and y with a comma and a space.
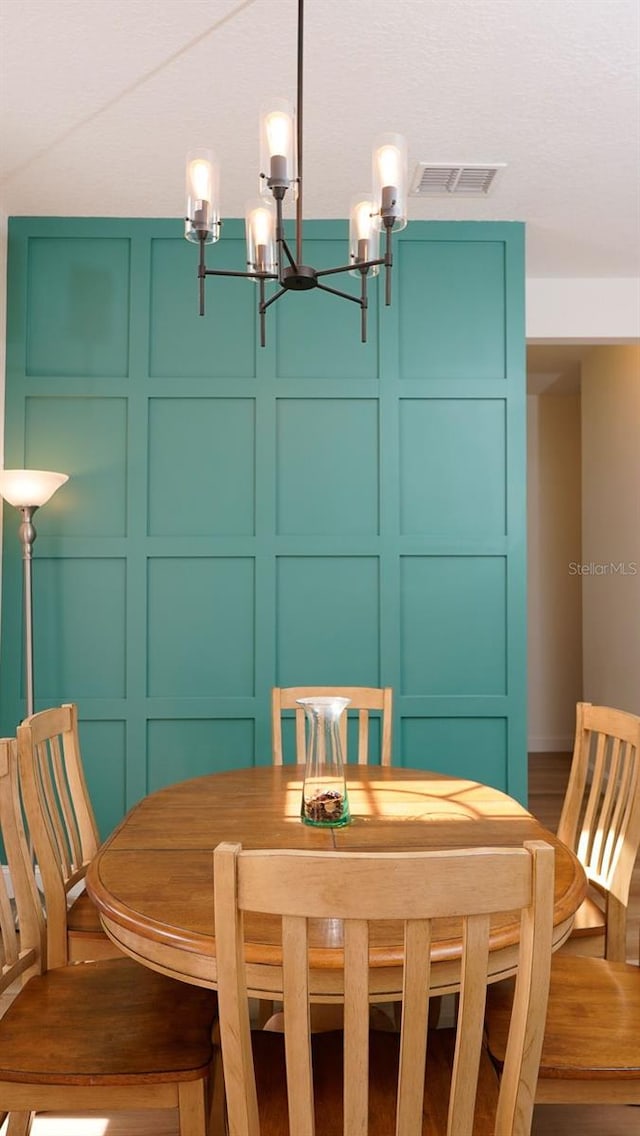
362, 698
276, 1083
591, 1047
63, 831
600, 821
108, 1035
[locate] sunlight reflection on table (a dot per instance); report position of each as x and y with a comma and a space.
418, 799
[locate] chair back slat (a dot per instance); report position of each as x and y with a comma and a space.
624, 793
363, 700
68, 817
239, 1077
62, 825
475, 958
600, 818
356, 1026
605, 835
363, 737
8, 936
359, 889
526, 1030
51, 812
297, 1032
413, 1032
19, 956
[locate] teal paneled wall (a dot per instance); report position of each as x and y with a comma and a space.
319, 511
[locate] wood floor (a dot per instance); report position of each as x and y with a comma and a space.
547, 779
549, 1120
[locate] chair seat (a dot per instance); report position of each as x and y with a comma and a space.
327, 1057
86, 940
47, 1035
592, 1030
82, 916
589, 920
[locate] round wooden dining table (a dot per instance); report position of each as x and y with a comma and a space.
152, 880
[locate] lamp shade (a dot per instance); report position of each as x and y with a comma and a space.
29, 487
364, 236
277, 145
390, 181
203, 197
260, 220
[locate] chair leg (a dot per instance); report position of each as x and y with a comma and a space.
192, 1108
217, 1099
20, 1123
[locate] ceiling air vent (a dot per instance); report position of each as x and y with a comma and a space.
434, 178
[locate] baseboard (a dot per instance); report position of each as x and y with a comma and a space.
7, 880
550, 745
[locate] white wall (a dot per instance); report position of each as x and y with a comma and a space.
3, 342
554, 591
3, 324
611, 526
583, 309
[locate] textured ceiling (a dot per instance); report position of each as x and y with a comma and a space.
100, 100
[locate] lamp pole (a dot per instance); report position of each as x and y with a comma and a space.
27, 490
27, 535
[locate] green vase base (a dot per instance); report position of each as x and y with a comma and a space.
339, 822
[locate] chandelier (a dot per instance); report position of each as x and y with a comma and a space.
269, 255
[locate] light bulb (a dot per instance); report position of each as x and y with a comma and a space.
200, 177
260, 231
390, 163
364, 237
362, 220
278, 127
261, 223
390, 182
277, 148
202, 220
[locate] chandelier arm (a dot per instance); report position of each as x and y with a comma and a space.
363, 307
261, 309
299, 110
350, 267
388, 264
244, 275
281, 242
272, 299
337, 292
202, 270
288, 252
279, 234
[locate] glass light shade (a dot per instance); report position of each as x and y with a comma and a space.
277, 145
364, 236
203, 196
390, 179
34, 487
260, 225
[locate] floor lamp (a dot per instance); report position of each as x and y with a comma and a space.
27, 490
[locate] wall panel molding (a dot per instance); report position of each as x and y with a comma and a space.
319, 511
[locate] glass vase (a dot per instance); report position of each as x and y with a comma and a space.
324, 793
